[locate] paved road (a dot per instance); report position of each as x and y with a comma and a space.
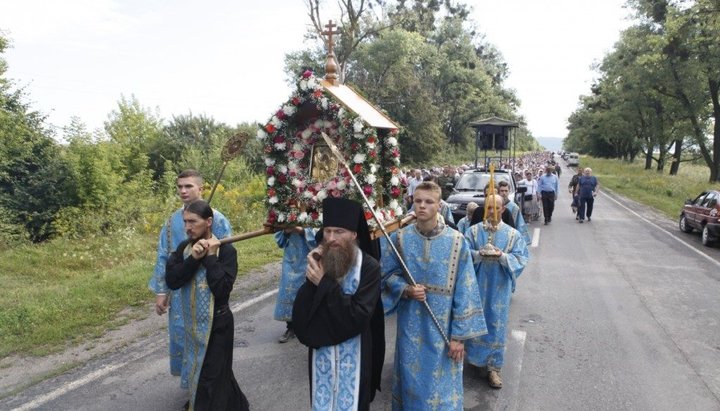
618, 314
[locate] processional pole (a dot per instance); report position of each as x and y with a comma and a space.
230, 151
380, 225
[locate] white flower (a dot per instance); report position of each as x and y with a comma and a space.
394, 204
271, 181
373, 168
281, 217
269, 161
321, 195
370, 178
303, 84
358, 125
341, 113
392, 141
371, 202
307, 194
273, 200
359, 158
312, 83
324, 103
394, 181
293, 166
283, 168
399, 211
297, 183
261, 134
303, 217
297, 147
341, 185
289, 109
319, 123
276, 121
280, 146
359, 136
306, 133
370, 146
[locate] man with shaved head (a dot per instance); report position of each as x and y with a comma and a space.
499, 255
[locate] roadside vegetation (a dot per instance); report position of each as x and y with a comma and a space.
666, 193
64, 292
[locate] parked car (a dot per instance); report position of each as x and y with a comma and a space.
470, 187
702, 214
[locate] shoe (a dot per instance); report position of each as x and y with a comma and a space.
494, 379
546, 223
186, 407
589, 219
289, 335
581, 221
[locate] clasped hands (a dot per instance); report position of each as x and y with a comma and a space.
204, 247
315, 270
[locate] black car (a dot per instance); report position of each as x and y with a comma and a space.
470, 186
702, 214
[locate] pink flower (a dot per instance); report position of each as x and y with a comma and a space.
367, 190
270, 171
307, 74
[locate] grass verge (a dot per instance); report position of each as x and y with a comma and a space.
664, 192
64, 292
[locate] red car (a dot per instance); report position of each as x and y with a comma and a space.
702, 214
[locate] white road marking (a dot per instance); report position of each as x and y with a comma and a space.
112, 367
535, 238
690, 246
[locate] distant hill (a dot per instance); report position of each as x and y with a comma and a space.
550, 143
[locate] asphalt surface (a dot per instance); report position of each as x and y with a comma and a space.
621, 313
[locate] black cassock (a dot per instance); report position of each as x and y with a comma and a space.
217, 388
324, 316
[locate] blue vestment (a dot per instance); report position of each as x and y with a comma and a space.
496, 277
463, 225
519, 220
296, 248
425, 377
169, 240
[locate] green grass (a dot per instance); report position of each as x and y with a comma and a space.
664, 192
64, 292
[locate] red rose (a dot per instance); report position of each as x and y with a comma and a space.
367, 190
270, 171
279, 139
317, 93
282, 179
372, 154
295, 101
371, 139
395, 191
354, 146
280, 114
368, 215
292, 217
270, 128
271, 192
357, 168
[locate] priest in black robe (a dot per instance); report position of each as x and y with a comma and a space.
204, 271
338, 313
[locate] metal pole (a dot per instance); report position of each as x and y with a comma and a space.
341, 159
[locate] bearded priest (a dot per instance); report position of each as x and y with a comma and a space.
338, 311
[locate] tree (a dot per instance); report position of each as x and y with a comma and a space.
33, 177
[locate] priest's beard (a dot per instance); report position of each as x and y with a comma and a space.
338, 260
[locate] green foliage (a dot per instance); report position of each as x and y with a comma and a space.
65, 291
666, 193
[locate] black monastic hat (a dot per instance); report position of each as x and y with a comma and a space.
348, 214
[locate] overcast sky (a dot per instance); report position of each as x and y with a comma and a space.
224, 58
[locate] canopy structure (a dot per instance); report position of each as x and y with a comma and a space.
493, 133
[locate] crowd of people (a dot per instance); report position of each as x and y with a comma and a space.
449, 283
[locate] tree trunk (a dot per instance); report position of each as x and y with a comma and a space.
714, 86
675, 166
648, 159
